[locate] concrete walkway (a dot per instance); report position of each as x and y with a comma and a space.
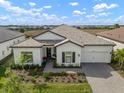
103, 79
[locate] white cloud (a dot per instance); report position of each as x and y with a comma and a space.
104, 6
120, 19
2, 17
64, 17
78, 13
74, 3
47, 7
91, 16
28, 16
104, 14
84, 9
32, 4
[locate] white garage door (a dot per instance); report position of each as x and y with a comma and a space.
96, 57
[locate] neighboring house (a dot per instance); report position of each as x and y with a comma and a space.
8, 38
116, 36
69, 45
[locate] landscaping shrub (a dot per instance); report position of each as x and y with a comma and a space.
118, 58
43, 64
2, 71
26, 67
46, 75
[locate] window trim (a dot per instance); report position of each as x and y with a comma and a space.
66, 54
28, 62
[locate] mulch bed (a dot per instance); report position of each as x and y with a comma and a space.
40, 79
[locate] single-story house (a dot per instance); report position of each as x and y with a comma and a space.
68, 45
116, 36
7, 39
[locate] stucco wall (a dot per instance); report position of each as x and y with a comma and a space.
37, 54
5, 45
118, 44
69, 47
49, 36
96, 54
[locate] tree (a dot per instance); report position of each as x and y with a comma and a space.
22, 30
116, 26
119, 57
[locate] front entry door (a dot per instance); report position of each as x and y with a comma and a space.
49, 52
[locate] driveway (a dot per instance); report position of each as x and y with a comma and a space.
103, 79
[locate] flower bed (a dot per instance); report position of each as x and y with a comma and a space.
51, 77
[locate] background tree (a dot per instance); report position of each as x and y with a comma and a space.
116, 26
22, 30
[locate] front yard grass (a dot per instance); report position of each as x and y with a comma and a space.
6, 84
67, 88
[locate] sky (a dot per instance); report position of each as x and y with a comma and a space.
54, 12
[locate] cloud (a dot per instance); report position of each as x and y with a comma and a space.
20, 15
78, 13
104, 6
64, 17
74, 3
103, 14
91, 16
84, 9
32, 4
2, 17
47, 7
120, 19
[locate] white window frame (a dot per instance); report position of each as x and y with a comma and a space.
68, 54
28, 53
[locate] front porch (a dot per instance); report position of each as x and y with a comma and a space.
50, 68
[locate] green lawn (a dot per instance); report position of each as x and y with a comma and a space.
67, 88
32, 88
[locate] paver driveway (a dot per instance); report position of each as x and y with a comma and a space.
103, 79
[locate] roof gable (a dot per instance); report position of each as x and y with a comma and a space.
48, 35
29, 43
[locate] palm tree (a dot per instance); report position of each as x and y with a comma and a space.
119, 56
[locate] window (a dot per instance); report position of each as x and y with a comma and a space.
3, 53
68, 57
27, 57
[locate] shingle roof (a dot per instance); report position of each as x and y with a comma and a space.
29, 43
116, 34
79, 37
6, 35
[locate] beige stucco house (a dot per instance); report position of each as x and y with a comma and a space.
68, 45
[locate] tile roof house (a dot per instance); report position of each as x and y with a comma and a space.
68, 45
7, 39
116, 36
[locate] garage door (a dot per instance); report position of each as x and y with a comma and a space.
96, 57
